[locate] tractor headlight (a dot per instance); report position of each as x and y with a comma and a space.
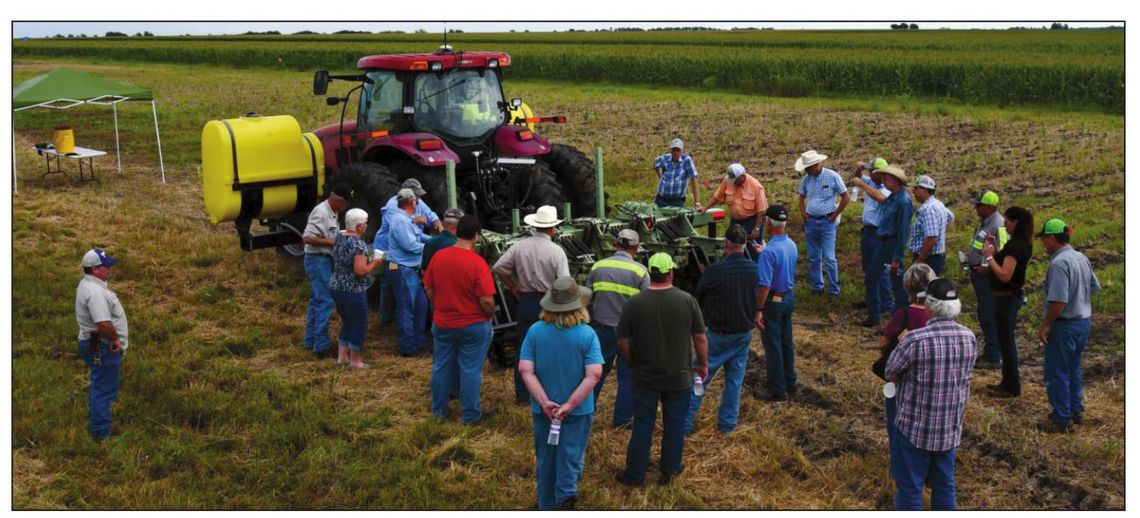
436, 66
493, 63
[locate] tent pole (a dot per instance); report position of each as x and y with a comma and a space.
158, 138
118, 156
15, 188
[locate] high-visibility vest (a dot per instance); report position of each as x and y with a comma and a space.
621, 288
1002, 238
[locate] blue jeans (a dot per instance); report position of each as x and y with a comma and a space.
876, 279
411, 310
527, 314
558, 468
1005, 317
387, 297
886, 256
779, 352
461, 351
104, 388
1063, 367
820, 236
936, 262
623, 403
319, 270
892, 432
915, 467
674, 406
353, 310
986, 318
731, 352
662, 201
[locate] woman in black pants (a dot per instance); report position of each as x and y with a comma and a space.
1007, 282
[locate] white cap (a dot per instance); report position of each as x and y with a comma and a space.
734, 171
676, 143
925, 182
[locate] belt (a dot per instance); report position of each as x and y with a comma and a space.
1062, 319
825, 216
1006, 293
720, 332
320, 255
867, 226
532, 294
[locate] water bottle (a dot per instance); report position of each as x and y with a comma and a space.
555, 432
698, 385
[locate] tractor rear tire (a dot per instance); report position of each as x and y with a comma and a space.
576, 173
432, 179
294, 222
540, 186
372, 186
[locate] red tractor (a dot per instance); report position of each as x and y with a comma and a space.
417, 111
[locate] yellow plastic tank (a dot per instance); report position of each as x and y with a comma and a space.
63, 139
259, 167
522, 112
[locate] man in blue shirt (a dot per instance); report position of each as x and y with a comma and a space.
424, 218
894, 226
675, 171
818, 191
876, 282
405, 251
931, 221
775, 301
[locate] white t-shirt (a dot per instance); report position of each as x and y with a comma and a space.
95, 302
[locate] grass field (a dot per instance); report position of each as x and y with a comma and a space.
221, 408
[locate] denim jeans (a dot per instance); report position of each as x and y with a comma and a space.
916, 467
779, 352
820, 236
321, 305
558, 467
1063, 367
886, 256
461, 351
411, 310
623, 403
1005, 317
353, 310
731, 352
527, 314
662, 201
103, 366
986, 318
892, 433
674, 406
876, 279
936, 262
387, 297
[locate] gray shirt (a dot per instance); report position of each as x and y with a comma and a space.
614, 280
322, 223
1071, 280
94, 303
990, 226
536, 261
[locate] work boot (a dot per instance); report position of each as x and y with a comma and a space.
1052, 426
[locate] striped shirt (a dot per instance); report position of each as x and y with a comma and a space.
614, 280
674, 175
931, 367
821, 192
930, 221
727, 293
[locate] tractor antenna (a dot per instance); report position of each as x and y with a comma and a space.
445, 35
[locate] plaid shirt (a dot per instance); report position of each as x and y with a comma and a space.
930, 221
822, 191
931, 367
674, 175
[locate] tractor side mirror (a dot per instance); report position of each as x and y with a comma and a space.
321, 82
516, 102
332, 101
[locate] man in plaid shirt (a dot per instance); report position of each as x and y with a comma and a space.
675, 171
931, 368
931, 222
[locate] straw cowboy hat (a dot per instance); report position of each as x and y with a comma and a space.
545, 217
809, 158
565, 295
894, 171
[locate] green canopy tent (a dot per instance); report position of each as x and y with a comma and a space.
64, 88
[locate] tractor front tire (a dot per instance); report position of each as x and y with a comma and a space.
576, 173
432, 179
372, 186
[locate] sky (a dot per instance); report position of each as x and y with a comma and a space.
175, 28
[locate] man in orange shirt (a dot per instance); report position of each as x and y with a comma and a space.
745, 199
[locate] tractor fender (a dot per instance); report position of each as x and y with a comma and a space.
405, 144
511, 141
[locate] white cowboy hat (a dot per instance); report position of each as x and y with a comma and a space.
545, 217
809, 158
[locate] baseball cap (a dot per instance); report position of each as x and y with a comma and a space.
941, 289
98, 257
628, 238
877, 163
343, 190
404, 195
734, 171
661, 262
1053, 227
414, 185
452, 214
676, 143
736, 234
987, 198
776, 213
925, 182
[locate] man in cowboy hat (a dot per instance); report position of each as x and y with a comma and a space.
818, 191
931, 221
992, 224
675, 171
102, 339
876, 280
746, 201
894, 226
528, 269
424, 218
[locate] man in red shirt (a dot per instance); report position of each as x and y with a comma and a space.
459, 284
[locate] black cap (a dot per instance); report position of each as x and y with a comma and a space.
941, 289
736, 234
343, 190
776, 213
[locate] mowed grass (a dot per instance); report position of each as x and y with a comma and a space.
220, 407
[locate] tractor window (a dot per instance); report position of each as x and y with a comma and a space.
380, 99
461, 103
